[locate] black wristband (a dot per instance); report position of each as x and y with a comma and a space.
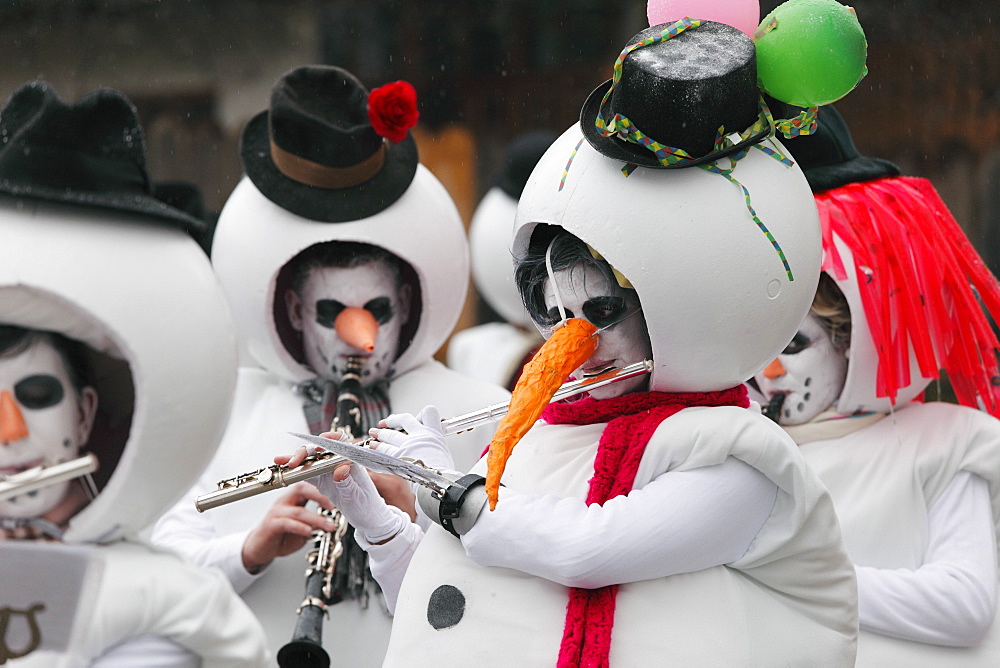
454, 496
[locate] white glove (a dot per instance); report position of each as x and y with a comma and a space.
356, 497
424, 439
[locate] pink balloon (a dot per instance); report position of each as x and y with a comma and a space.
743, 15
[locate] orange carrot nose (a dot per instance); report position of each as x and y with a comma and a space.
12, 426
357, 327
774, 370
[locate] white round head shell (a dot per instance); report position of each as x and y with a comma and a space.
492, 267
142, 296
717, 297
256, 238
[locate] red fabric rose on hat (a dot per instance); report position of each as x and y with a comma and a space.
392, 110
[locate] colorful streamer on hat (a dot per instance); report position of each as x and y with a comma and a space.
801, 126
804, 124
622, 127
569, 163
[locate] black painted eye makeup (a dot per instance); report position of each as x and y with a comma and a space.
798, 343
327, 311
381, 309
604, 311
552, 317
40, 391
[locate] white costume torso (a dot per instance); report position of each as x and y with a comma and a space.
790, 600
137, 593
883, 479
265, 410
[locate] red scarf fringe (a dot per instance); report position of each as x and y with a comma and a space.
632, 419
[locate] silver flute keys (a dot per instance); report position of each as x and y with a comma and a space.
278, 476
267, 479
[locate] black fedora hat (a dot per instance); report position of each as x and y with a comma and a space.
187, 197
677, 89
91, 153
829, 158
315, 152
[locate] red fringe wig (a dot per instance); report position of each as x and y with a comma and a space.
922, 285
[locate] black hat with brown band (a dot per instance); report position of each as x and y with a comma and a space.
315, 151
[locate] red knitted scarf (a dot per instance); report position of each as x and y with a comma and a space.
632, 419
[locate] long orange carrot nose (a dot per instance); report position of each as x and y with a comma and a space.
357, 326
569, 346
12, 426
774, 370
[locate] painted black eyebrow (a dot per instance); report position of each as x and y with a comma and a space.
381, 309
798, 343
39, 391
327, 311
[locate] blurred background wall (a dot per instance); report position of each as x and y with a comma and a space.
486, 71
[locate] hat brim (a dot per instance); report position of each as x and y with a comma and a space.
856, 170
326, 205
146, 205
635, 154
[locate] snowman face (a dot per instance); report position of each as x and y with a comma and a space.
326, 293
810, 373
43, 421
587, 293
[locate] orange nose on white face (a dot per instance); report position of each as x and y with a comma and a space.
12, 425
774, 370
357, 327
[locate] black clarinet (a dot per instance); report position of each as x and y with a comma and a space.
326, 581
348, 418
305, 650
773, 408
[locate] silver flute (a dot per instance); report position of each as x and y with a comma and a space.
277, 476
42, 476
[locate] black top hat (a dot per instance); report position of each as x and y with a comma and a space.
829, 158
315, 153
90, 153
679, 92
522, 155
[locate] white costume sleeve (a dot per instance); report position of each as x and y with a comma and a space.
388, 561
951, 598
148, 652
682, 521
185, 530
153, 600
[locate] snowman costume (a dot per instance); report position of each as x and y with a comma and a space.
79, 259
717, 296
254, 240
916, 486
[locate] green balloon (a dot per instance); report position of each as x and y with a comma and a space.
810, 52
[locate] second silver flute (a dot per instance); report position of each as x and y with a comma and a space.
277, 476
40, 477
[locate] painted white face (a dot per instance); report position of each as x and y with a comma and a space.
326, 293
810, 373
42, 422
587, 293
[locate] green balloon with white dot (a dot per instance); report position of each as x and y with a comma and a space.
810, 52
